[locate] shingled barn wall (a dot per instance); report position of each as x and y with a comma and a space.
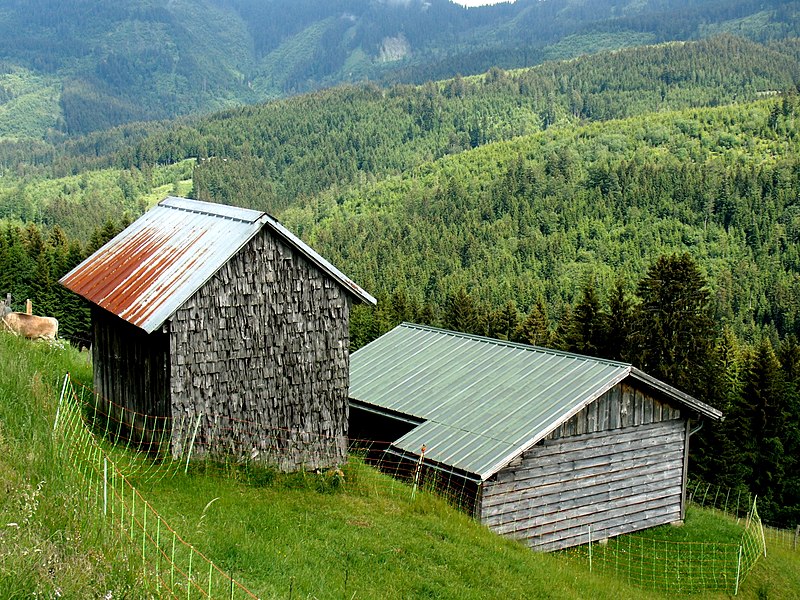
261, 352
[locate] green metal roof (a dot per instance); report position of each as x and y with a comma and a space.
481, 401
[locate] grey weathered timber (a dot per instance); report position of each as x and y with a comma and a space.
217, 329
621, 406
263, 346
608, 479
130, 367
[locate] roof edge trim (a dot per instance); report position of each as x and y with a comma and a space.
690, 402
501, 464
385, 412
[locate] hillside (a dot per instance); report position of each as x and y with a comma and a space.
541, 215
72, 68
280, 536
270, 155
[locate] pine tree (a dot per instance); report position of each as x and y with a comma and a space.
461, 313
674, 328
535, 328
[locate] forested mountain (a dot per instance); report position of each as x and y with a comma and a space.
72, 67
271, 155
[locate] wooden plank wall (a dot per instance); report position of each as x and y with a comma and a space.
617, 480
130, 375
622, 406
262, 352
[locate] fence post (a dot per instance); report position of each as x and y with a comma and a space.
590, 548
144, 534
61, 400
796, 535
189, 577
191, 444
417, 472
158, 553
172, 566
738, 571
105, 487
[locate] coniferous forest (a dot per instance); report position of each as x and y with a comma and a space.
640, 205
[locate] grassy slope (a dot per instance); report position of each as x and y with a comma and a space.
49, 544
277, 534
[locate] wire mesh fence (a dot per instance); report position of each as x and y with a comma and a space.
736, 502
146, 448
684, 567
171, 566
116, 449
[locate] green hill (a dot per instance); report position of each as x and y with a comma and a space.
279, 536
533, 201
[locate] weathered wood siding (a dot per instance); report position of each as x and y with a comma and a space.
617, 466
622, 406
131, 376
261, 351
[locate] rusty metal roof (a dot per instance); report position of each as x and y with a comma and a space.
150, 269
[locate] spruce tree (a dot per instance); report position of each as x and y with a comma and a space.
586, 333
764, 399
619, 323
674, 329
461, 313
789, 355
535, 328
719, 451
504, 322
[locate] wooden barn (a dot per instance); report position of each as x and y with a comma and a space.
547, 444
222, 323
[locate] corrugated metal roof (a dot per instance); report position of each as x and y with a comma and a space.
482, 401
150, 269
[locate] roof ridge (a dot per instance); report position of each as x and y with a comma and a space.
212, 209
509, 344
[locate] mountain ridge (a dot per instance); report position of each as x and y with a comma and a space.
117, 62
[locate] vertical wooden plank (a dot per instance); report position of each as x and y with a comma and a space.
591, 417
638, 407
685, 469
614, 409
602, 412
580, 422
627, 406
647, 401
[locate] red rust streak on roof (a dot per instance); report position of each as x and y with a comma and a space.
128, 269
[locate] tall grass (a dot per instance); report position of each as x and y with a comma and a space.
51, 545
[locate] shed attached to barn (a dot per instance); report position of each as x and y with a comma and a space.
220, 321
546, 443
